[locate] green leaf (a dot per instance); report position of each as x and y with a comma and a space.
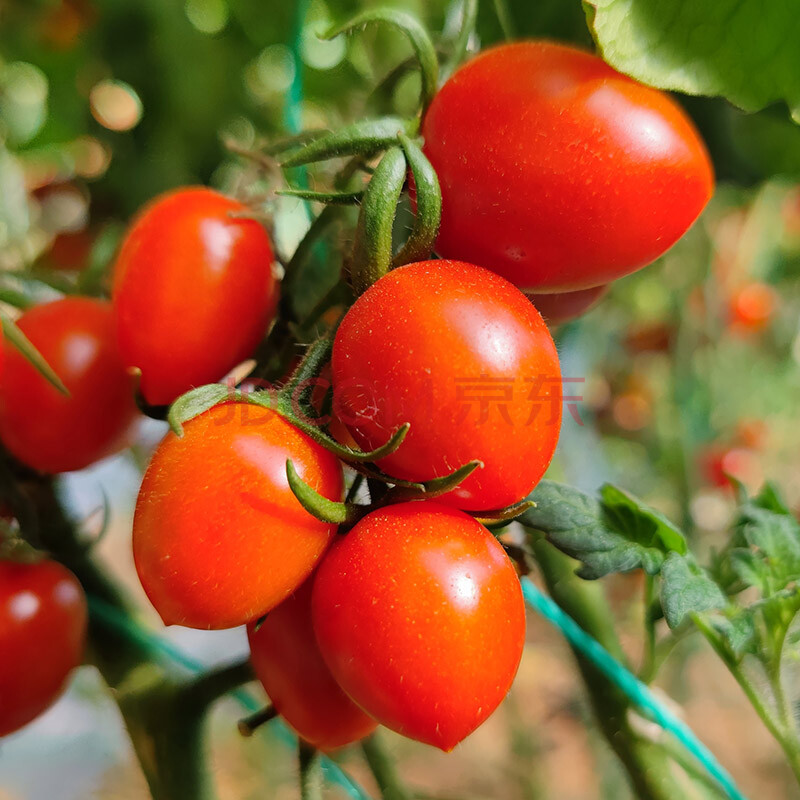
21, 342
772, 561
627, 514
686, 588
616, 538
195, 402
735, 630
743, 50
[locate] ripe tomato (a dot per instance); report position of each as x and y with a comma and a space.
565, 306
42, 635
287, 661
753, 306
462, 355
194, 291
46, 429
70, 251
558, 172
419, 615
218, 537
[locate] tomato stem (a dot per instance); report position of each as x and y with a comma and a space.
383, 769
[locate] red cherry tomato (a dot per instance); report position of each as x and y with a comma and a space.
565, 306
464, 357
42, 637
218, 537
558, 172
194, 291
419, 615
753, 306
46, 429
720, 461
287, 661
70, 251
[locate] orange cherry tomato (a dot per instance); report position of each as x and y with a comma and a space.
194, 291
46, 429
557, 171
565, 306
463, 356
287, 661
42, 637
218, 537
419, 615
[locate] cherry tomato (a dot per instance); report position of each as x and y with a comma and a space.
194, 291
461, 355
719, 461
46, 429
218, 537
70, 251
753, 306
287, 661
42, 636
565, 306
419, 615
558, 172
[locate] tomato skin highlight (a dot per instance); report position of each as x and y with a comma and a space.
287, 661
194, 291
558, 172
419, 614
43, 618
562, 307
46, 429
441, 345
218, 537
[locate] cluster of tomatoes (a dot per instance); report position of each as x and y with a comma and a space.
557, 175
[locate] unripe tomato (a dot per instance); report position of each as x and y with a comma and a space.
42, 636
287, 661
194, 291
419, 615
558, 172
464, 357
46, 429
565, 306
218, 537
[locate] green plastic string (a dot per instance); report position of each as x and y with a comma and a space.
644, 699
110, 616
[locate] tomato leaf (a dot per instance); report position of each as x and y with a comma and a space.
686, 588
626, 513
618, 534
680, 45
195, 402
21, 342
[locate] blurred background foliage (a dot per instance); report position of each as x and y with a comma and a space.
690, 366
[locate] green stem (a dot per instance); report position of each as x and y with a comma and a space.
782, 732
310, 772
383, 769
644, 761
648, 670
